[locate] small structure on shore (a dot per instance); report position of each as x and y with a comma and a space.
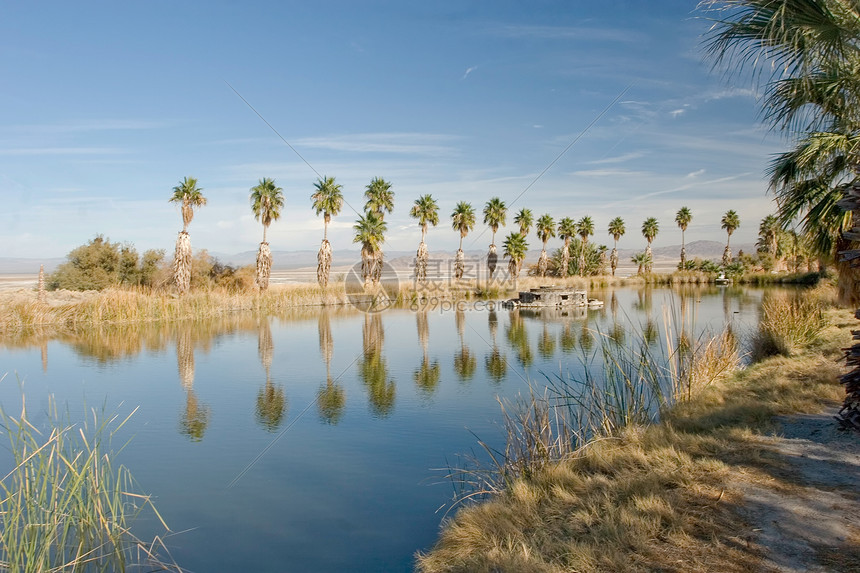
553, 296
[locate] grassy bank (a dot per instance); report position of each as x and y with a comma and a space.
654, 497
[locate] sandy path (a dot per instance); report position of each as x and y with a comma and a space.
809, 521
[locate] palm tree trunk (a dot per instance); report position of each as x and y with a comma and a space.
264, 266
492, 260
42, 283
421, 258
613, 258
182, 263
542, 261
649, 258
584, 248
324, 263
459, 263
683, 252
565, 258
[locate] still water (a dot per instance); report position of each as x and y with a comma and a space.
312, 441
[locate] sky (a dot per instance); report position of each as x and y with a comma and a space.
566, 107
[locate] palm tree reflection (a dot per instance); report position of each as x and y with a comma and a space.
427, 375
271, 401
465, 362
195, 417
331, 398
496, 363
546, 343
519, 339
373, 369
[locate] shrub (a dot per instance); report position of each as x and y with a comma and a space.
100, 264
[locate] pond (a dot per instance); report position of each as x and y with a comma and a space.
317, 440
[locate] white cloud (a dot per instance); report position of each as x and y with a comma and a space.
677, 112
469, 70
59, 151
618, 159
398, 143
695, 173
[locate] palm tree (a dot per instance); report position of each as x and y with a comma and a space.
545, 231
267, 200
515, 249
380, 197
768, 232
462, 220
729, 222
641, 260
328, 200
566, 231
370, 232
683, 218
426, 211
650, 228
380, 200
190, 197
585, 228
524, 219
495, 213
616, 229
812, 89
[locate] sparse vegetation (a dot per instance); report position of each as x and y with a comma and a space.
65, 506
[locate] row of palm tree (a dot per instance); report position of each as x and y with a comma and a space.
267, 201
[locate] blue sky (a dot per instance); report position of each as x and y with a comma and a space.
106, 106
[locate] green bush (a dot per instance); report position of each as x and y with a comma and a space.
100, 264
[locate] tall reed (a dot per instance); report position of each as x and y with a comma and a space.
788, 323
65, 506
620, 385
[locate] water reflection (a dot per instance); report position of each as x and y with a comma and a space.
427, 375
518, 338
546, 343
373, 369
195, 416
271, 400
465, 362
568, 338
331, 398
496, 363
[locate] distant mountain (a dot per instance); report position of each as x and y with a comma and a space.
16, 266
664, 257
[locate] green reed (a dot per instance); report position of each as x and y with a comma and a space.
65, 506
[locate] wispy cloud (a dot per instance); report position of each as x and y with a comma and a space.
579, 33
618, 159
93, 125
729, 93
677, 112
60, 151
397, 143
469, 70
609, 173
695, 174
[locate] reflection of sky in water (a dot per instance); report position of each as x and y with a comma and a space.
334, 457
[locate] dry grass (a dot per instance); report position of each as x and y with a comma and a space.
22, 311
652, 497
